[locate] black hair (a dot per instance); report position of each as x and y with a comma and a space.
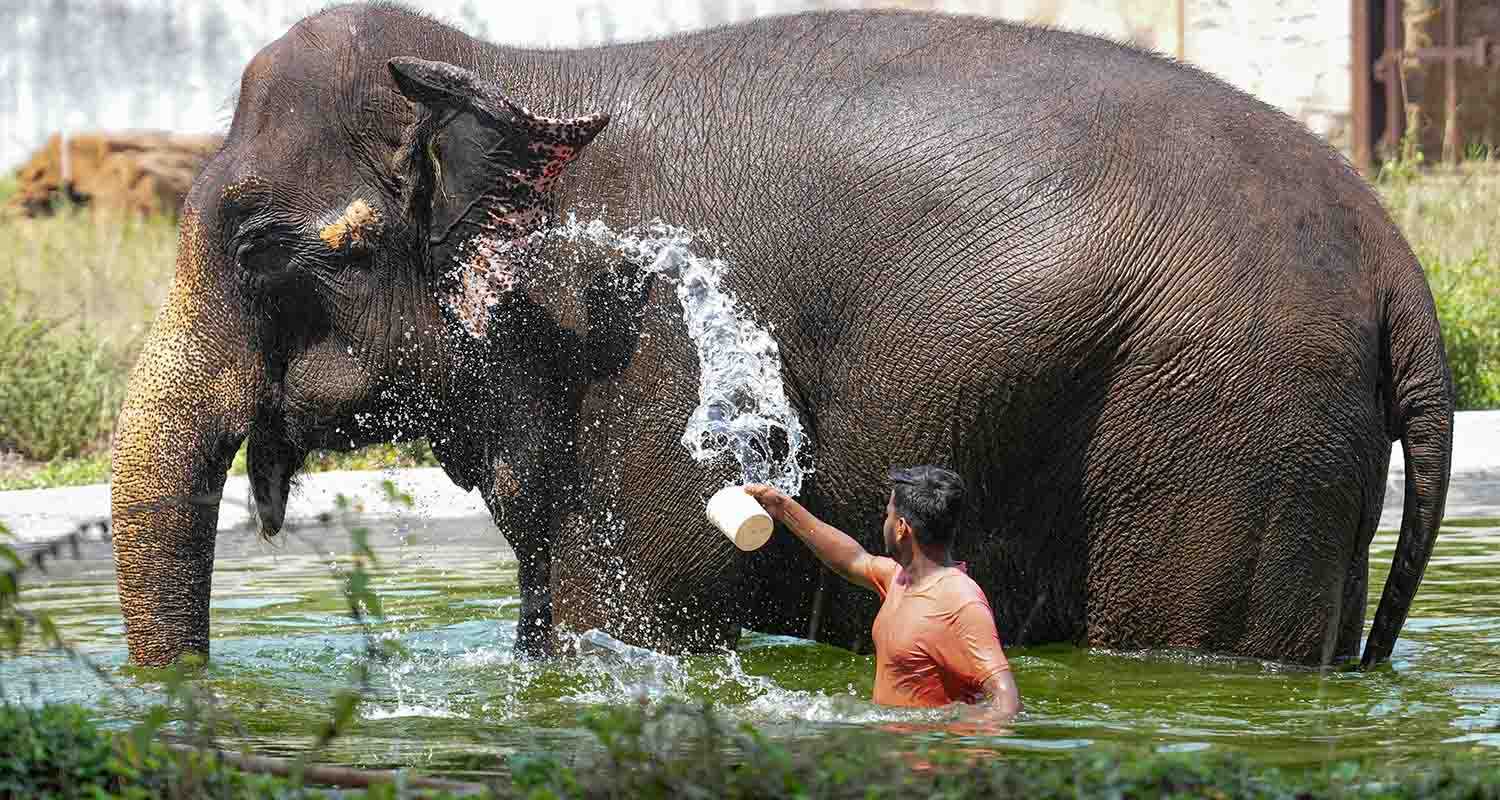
931, 499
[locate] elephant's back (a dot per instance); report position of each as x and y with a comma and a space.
1006, 194
972, 146
993, 205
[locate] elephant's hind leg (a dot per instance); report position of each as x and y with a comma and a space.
1357, 581
1236, 519
1307, 594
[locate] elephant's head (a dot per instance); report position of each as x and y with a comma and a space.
365, 218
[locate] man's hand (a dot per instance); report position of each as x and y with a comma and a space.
772, 499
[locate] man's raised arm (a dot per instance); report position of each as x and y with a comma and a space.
832, 546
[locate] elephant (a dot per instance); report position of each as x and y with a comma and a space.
1165, 333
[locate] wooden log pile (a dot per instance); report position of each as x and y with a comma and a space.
133, 172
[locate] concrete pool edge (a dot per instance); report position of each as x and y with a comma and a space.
40, 514
1474, 482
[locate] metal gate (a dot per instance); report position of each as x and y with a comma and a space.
1378, 63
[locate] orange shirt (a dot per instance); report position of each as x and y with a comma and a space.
933, 646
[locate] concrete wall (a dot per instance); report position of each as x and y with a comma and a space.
1294, 54
174, 64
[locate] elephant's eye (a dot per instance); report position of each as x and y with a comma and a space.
262, 255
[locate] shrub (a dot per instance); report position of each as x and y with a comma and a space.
52, 752
60, 391
77, 291
1468, 303
1449, 217
669, 750
58, 752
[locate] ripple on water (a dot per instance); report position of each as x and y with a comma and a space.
252, 603
1184, 747
499, 602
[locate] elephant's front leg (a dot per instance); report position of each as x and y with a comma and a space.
523, 498
534, 567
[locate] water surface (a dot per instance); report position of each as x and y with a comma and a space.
459, 703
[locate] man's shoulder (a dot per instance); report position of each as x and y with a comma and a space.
883, 569
880, 572
962, 586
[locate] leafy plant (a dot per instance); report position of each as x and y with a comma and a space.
60, 390
1405, 165
1468, 303
54, 751
671, 749
78, 294
1449, 219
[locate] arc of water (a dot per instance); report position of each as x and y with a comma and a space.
742, 406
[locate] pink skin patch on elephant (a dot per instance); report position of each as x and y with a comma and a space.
483, 280
486, 268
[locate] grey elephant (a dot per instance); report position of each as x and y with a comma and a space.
1165, 333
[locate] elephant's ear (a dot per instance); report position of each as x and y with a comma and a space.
435, 83
502, 161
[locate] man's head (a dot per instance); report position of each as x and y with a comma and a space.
923, 509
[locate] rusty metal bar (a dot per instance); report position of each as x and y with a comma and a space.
1395, 105
1452, 147
1360, 84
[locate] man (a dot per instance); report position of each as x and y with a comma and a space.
935, 637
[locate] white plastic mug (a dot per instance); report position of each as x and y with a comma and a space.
740, 517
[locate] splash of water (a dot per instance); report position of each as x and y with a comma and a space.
742, 407
595, 669
617, 673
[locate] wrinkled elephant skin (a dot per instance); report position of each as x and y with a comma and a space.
1166, 333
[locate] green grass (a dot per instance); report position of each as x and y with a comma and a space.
17, 473
1452, 219
76, 298
61, 387
80, 471
374, 457
1472, 522
102, 276
80, 293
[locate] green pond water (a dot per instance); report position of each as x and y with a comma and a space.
459, 704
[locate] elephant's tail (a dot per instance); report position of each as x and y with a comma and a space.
1418, 397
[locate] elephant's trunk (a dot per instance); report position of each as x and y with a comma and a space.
188, 406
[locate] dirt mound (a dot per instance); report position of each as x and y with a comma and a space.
134, 172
